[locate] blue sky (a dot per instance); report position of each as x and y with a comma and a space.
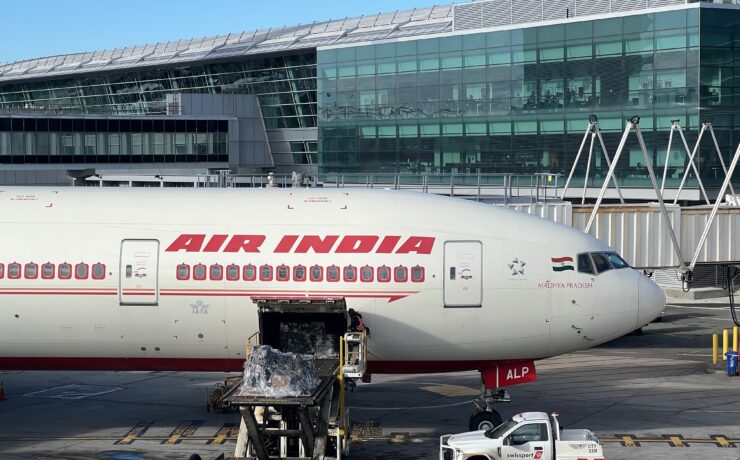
36, 28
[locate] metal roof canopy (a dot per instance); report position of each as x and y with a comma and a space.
435, 19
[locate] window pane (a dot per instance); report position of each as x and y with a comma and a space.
601, 263
81, 271
65, 271
584, 264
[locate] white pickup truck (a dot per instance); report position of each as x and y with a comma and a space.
529, 435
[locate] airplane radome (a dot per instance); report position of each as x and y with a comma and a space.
163, 279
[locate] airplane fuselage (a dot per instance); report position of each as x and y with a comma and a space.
165, 279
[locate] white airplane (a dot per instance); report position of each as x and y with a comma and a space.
163, 279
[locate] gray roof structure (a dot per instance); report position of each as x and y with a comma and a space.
478, 14
419, 21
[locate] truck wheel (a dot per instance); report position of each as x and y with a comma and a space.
484, 420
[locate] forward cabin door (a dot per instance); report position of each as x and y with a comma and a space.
139, 272
463, 264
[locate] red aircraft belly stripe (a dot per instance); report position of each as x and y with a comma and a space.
223, 365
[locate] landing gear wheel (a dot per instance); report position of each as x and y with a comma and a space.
484, 420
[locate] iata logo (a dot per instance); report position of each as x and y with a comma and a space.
302, 244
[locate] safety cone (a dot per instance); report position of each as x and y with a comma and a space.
2, 392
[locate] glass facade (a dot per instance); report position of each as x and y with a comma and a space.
513, 101
284, 85
518, 101
112, 140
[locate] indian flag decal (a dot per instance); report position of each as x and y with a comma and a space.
561, 264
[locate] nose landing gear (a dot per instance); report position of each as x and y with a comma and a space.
485, 416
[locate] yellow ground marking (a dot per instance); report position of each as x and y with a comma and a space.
135, 433
722, 441
451, 391
676, 440
183, 430
229, 430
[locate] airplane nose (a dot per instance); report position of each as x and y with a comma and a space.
651, 301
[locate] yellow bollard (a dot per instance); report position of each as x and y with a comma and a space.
734, 338
725, 343
715, 348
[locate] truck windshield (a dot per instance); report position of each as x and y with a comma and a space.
499, 431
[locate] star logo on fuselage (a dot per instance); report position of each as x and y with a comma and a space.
517, 267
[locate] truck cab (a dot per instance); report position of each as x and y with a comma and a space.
529, 435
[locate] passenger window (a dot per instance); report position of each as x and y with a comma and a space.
417, 274
332, 273
81, 271
232, 272
2, 271
266, 273
283, 273
217, 272
616, 261
317, 273
47, 271
350, 274
14, 271
400, 274
584, 264
601, 263
384, 274
534, 432
299, 273
65, 271
366, 274
98, 271
250, 272
199, 272
31, 271
183, 272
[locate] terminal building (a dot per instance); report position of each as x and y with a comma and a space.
488, 87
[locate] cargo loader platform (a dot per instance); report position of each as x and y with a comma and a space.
312, 426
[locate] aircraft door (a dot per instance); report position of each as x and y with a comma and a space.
139, 272
463, 272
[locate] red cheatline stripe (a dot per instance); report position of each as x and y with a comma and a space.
283, 290
59, 293
57, 289
562, 259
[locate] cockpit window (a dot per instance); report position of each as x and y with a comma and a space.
601, 263
584, 263
616, 261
